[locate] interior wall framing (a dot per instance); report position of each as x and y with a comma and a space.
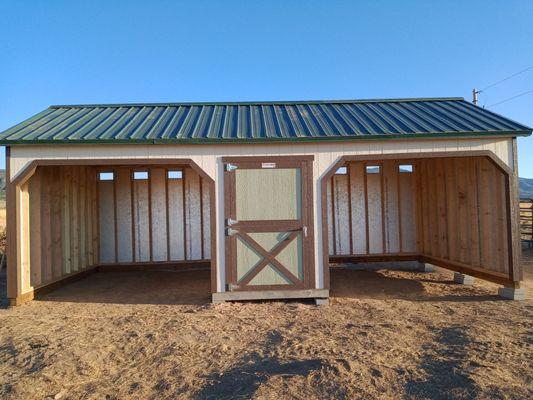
154, 220
460, 210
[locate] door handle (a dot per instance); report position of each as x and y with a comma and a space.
304, 230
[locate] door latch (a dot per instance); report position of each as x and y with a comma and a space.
230, 167
304, 230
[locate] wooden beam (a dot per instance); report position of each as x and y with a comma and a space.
513, 218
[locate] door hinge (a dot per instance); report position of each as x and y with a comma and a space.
231, 232
230, 222
230, 167
230, 287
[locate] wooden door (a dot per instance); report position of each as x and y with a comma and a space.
269, 223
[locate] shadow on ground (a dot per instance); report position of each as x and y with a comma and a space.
443, 364
253, 370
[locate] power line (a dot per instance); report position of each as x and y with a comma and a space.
507, 78
511, 98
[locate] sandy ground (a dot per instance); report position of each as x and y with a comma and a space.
386, 335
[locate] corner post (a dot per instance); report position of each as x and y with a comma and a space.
19, 288
515, 250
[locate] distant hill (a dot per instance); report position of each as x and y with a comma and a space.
526, 188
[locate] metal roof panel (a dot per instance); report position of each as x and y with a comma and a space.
259, 122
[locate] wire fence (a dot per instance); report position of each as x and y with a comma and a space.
526, 221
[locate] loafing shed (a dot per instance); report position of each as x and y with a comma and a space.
267, 195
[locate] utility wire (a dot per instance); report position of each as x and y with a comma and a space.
507, 78
510, 98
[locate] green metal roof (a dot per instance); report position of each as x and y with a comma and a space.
260, 122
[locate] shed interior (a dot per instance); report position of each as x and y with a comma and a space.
114, 217
451, 211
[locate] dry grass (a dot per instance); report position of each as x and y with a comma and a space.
386, 335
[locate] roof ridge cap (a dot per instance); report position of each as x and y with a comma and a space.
258, 103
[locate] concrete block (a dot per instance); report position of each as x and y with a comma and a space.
425, 267
463, 279
322, 302
512, 293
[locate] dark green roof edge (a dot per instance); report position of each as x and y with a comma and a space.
222, 141
258, 103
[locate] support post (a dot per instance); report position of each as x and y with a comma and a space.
425, 267
463, 279
512, 293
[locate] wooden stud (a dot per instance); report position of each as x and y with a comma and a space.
399, 202
36, 204
333, 222
473, 201
383, 200
57, 259
150, 225
350, 219
367, 231
184, 202
201, 218
167, 219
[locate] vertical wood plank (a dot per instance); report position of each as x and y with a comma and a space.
333, 218
462, 211
201, 219
207, 219
23, 200
473, 198
150, 220
451, 208
342, 239
367, 222
65, 219
124, 215
184, 203
501, 231
74, 226
142, 220
35, 189
82, 193
485, 214
46, 223
107, 221
350, 216
55, 226
176, 214
391, 206
158, 213
441, 190
358, 195
375, 216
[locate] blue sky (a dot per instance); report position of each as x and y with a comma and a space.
60, 52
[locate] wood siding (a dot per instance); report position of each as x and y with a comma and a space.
61, 224
463, 209
374, 211
207, 157
155, 219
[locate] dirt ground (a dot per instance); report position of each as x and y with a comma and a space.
386, 335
